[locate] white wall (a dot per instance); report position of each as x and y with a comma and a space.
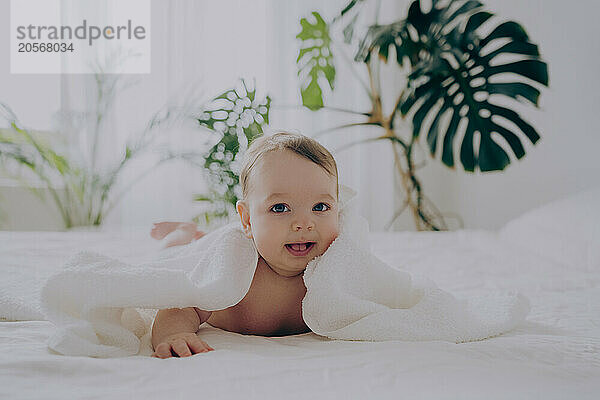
33, 97
563, 161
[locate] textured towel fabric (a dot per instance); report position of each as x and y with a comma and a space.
102, 307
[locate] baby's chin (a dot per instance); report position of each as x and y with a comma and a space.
291, 272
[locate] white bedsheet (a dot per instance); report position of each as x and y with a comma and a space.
554, 355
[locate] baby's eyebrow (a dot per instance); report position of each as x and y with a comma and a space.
327, 195
275, 195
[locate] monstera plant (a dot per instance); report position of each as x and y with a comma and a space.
235, 118
454, 97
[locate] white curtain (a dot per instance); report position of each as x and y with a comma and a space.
202, 48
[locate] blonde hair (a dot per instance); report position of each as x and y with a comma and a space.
302, 145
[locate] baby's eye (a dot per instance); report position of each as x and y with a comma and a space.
321, 207
279, 208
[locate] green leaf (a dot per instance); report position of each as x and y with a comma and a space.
523, 48
516, 90
448, 145
509, 29
312, 96
492, 157
315, 61
476, 20
203, 197
350, 5
55, 161
451, 72
460, 11
513, 117
467, 154
513, 140
238, 117
419, 116
434, 131
535, 70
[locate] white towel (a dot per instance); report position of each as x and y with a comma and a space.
103, 307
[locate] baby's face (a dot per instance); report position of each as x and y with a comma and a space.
291, 211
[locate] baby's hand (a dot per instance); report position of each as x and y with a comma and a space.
180, 345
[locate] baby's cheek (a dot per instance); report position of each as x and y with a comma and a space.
336, 231
332, 237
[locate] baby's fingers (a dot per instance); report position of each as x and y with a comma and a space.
163, 350
199, 346
181, 348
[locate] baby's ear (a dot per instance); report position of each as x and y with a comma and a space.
244, 212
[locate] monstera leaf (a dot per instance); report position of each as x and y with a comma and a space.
455, 76
234, 115
314, 61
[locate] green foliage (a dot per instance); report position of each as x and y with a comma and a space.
314, 60
452, 75
81, 190
237, 117
29, 150
458, 84
453, 71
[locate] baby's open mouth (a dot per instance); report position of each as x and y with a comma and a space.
300, 249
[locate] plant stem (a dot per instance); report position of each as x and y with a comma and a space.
376, 113
98, 119
409, 180
346, 146
407, 188
283, 106
395, 109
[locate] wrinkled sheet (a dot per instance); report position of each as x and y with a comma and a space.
555, 354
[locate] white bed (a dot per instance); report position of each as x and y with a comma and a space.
551, 255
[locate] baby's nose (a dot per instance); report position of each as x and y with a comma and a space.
308, 226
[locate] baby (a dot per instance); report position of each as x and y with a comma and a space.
290, 210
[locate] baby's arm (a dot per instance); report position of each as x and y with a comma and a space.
174, 332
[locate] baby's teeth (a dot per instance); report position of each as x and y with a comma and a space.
299, 247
